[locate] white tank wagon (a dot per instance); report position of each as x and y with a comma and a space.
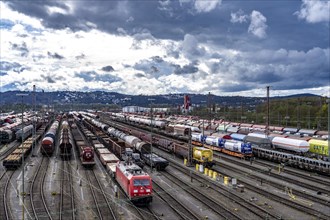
130, 140
299, 146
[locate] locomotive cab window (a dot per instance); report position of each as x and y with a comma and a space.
141, 182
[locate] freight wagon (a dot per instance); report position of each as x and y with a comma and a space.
48, 142
65, 141
319, 147
22, 135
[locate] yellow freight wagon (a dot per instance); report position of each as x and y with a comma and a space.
318, 146
203, 155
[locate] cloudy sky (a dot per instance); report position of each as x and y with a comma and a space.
166, 46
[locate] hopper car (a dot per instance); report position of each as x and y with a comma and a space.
136, 184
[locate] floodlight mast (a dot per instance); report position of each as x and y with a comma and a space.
22, 193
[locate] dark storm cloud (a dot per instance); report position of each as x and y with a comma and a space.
281, 69
154, 67
22, 48
108, 69
55, 56
174, 19
80, 57
139, 75
51, 78
90, 76
157, 59
186, 69
236, 87
11, 66
6, 66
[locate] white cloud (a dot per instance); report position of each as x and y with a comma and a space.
238, 17
258, 24
206, 5
314, 11
54, 9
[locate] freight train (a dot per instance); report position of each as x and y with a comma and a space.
199, 154
262, 146
134, 142
14, 160
65, 140
48, 142
86, 152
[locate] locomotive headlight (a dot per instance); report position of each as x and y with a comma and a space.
147, 190
135, 190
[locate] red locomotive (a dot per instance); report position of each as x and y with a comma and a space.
86, 155
136, 184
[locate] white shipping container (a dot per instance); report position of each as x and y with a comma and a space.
97, 146
108, 158
103, 151
111, 168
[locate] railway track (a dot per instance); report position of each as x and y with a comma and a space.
9, 149
275, 197
303, 194
298, 173
176, 205
5, 179
209, 202
102, 204
243, 202
67, 204
39, 206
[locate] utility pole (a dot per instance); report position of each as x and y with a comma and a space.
22, 193
189, 149
34, 119
328, 101
151, 132
267, 125
309, 114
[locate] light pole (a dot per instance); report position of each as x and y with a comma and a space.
34, 118
328, 101
151, 130
309, 114
22, 193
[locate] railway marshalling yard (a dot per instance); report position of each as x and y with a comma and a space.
63, 189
